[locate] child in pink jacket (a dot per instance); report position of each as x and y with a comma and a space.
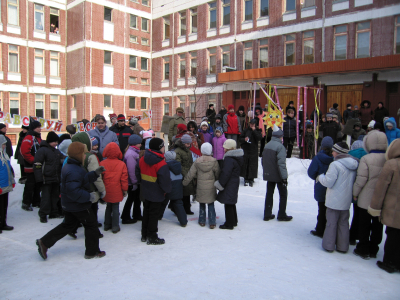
218, 142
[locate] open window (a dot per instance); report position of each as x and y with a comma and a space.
54, 20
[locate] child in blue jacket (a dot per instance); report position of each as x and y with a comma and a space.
7, 183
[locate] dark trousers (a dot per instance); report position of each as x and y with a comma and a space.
50, 197
22, 169
31, 191
288, 144
186, 203
220, 163
370, 232
71, 221
321, 218
269, 199
391, 255
151, 213
3, 210
177, 208
231, 218
262, 145
354, 223
95, 208
133, 198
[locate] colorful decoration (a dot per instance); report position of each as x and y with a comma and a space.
273, 117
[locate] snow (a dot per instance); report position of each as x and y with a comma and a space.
256, 260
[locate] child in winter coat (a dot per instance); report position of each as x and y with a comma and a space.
319, 165
289, 132
309, 146
369, 228
228, 182
392, 132
385, 205
7, 183
232, 124
131, 159
204, 130
206, 170
357, 131
115, 179
95, 148
339, 180
176, 194
218, 123
218, 149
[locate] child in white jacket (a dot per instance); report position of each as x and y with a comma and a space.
339, 180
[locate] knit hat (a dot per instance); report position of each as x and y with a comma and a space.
327, 142
371, 124
146, 135
94, 141
134, 139
241, 107
389, 124
357, 144
348, 105
133, 121
52, 137
355, 106
77, 151
170, 155
186, 139
121, 117
341, 148
71, 129
258, 108
379, 126
329, 115
2, 125
204, 119
335, 105
181, 127
25, 127
179, 109
334, 117
34, 125
112, 116
277, 132
253, 121
156, 144
206, 149
210, 105
230, 106
218, 116
204, 123
291, 102
229, 144
63, 146
301, 107
219, 129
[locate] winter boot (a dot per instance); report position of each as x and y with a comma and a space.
128, 221
73, 235
246, 183
98, 255
315, 233
43, 219
143, 239
155, 241
271, 217
285, 218
384, 266
7, 228
361, 254
226, 227
42, 249
26, 207
251, 183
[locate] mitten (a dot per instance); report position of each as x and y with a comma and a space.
125, 193
99, 170
94, 197
13, 185
285, 182
218, 185
374, 212
102, 195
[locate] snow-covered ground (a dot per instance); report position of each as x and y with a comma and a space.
256, 260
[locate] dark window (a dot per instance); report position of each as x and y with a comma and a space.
107, 14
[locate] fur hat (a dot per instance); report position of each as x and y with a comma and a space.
229, 144
241, 107
341, 148
186, 139
170, 155
133, 121
230, 106
327, 142
34, 125
71, 129
218, 116
63, 147
334, 117
348, 105
210, 105
179, 109
156, 144
204, 123
52, 137
206, 149
134, 139
329, 115
277, 132
76, 150
335, 105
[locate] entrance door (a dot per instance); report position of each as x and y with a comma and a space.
343, 95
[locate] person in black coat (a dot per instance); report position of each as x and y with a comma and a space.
222, 112
211, 113
348, 114
330, 128
123, 132
290, 106
380, 113
9, 149
249, 143
289, 132
18, 155
47, 169
228, 182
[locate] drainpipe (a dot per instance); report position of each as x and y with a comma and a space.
151, 65
323, 31
27, 59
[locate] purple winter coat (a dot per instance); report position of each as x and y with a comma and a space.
131, 159
218, 150
207, 136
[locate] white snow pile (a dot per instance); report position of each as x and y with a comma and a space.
256, 260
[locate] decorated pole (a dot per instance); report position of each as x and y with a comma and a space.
297, 117
304, 119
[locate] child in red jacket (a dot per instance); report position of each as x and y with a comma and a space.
115, 179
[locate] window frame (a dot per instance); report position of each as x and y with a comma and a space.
8, 12
210, 56
144, 81
141, 64
335, 35
166, 104
36, 10
135, 67
285, 6
166, 23
212, 10
165, 63
141, 103
147, 4
56, 58
131, 17
133, 37
192, 107
193, 58
260, 9
212, 99
111, 14
143, 41
43, 101
147, 24
396, 31
223, 6
244, 11
134, 102
247, 49
226, 51
193, 16
42, 56
363, 31
104, 100
133, 80
294, 49
262, 47
182, 18
58, 18
305, 5
13, 52
306, 39
182, 60
58, 106
12, 98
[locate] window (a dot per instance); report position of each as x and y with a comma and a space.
144, 64
14, 103
132, 102
107, 57
248, 10
212, 66
193, 108
107, 14
290, 5
132, 80
182, 65
73, 100
13, 61
308, 47
193, 63
340, 42
166, 106
226, 12
132, 62
107, 101
145, 24
290, 46
54, 17
248, 55
39, 62
182, 101
309, 3
39, 105
226, 56
264, 8
263, 56
39, 17
193, 13
143, 103
212, 6
13, 12
363, 39
183, 23
145, 2
144, 81
212, 99
54, 64
166, 68
54, 107
1, 101
133, 21
166, 28
133, 39
145, 42
397, 36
